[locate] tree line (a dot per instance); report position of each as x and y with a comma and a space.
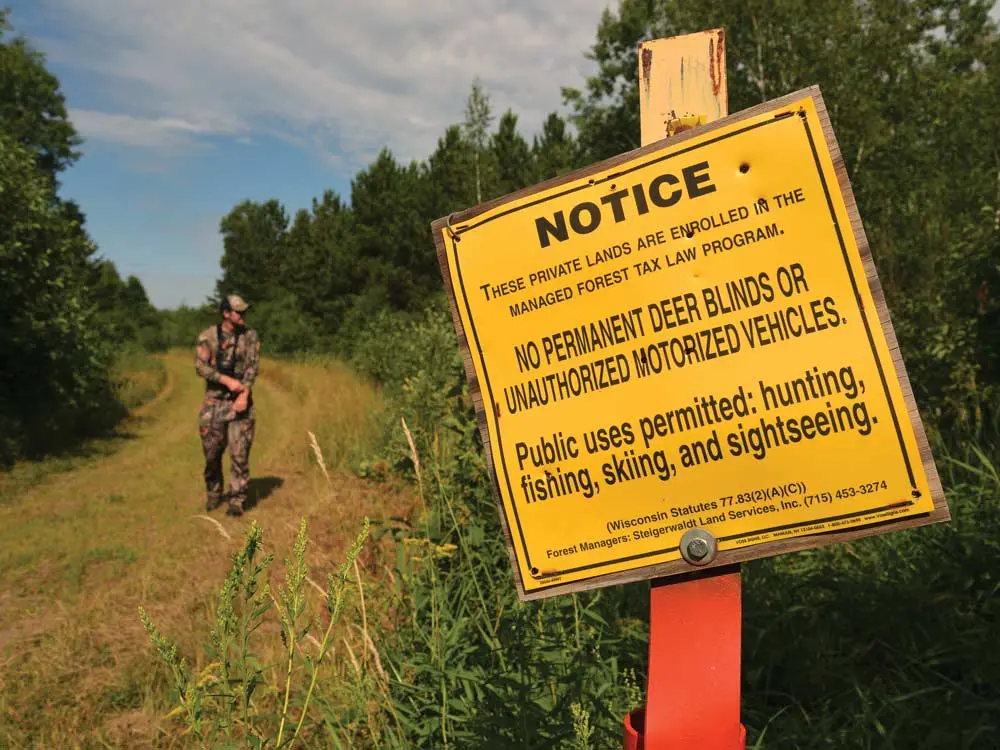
65, 312
320, 276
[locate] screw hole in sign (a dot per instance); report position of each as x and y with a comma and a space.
744, 167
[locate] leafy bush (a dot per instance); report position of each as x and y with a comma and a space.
415, 359
55, 382
471, 665
283, 329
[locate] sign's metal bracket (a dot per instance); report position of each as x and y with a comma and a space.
675, 124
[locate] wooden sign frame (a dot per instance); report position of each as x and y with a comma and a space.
454, 225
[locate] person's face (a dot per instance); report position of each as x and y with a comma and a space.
235, 318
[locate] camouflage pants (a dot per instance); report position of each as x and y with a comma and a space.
219, 429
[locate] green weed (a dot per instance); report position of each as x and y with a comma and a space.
220, 705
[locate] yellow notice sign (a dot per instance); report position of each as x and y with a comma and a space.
690, 335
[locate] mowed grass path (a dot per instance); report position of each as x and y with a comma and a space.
81, 550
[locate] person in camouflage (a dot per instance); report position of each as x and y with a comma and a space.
227, 356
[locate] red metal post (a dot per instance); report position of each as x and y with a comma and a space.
693, 693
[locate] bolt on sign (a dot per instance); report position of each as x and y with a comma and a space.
687, 336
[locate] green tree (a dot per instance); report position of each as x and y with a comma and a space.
554, 150
450, 173
511, 155
334, 272
180, 327
32, 107
253, 258
283, 326
390, 206
475, 128
54, 381
62, 309
123, 312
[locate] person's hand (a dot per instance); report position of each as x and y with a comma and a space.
232, 384
240, 404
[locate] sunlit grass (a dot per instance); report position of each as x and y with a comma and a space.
138, 377
82, 549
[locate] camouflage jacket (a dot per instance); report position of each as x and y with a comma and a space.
241, 362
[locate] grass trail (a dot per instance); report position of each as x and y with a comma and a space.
81, 550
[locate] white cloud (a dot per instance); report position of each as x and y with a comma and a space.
348, 74
166, 133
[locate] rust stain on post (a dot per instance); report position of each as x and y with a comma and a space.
711, 64
716, 57
647, 66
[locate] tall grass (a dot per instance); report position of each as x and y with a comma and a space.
471, 666
138, 376
237, 700
80, 552
888, 642
345, 411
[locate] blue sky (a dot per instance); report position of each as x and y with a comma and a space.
191, 106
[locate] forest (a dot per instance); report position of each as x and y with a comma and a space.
896, 631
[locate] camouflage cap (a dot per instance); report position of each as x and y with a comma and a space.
237, 303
